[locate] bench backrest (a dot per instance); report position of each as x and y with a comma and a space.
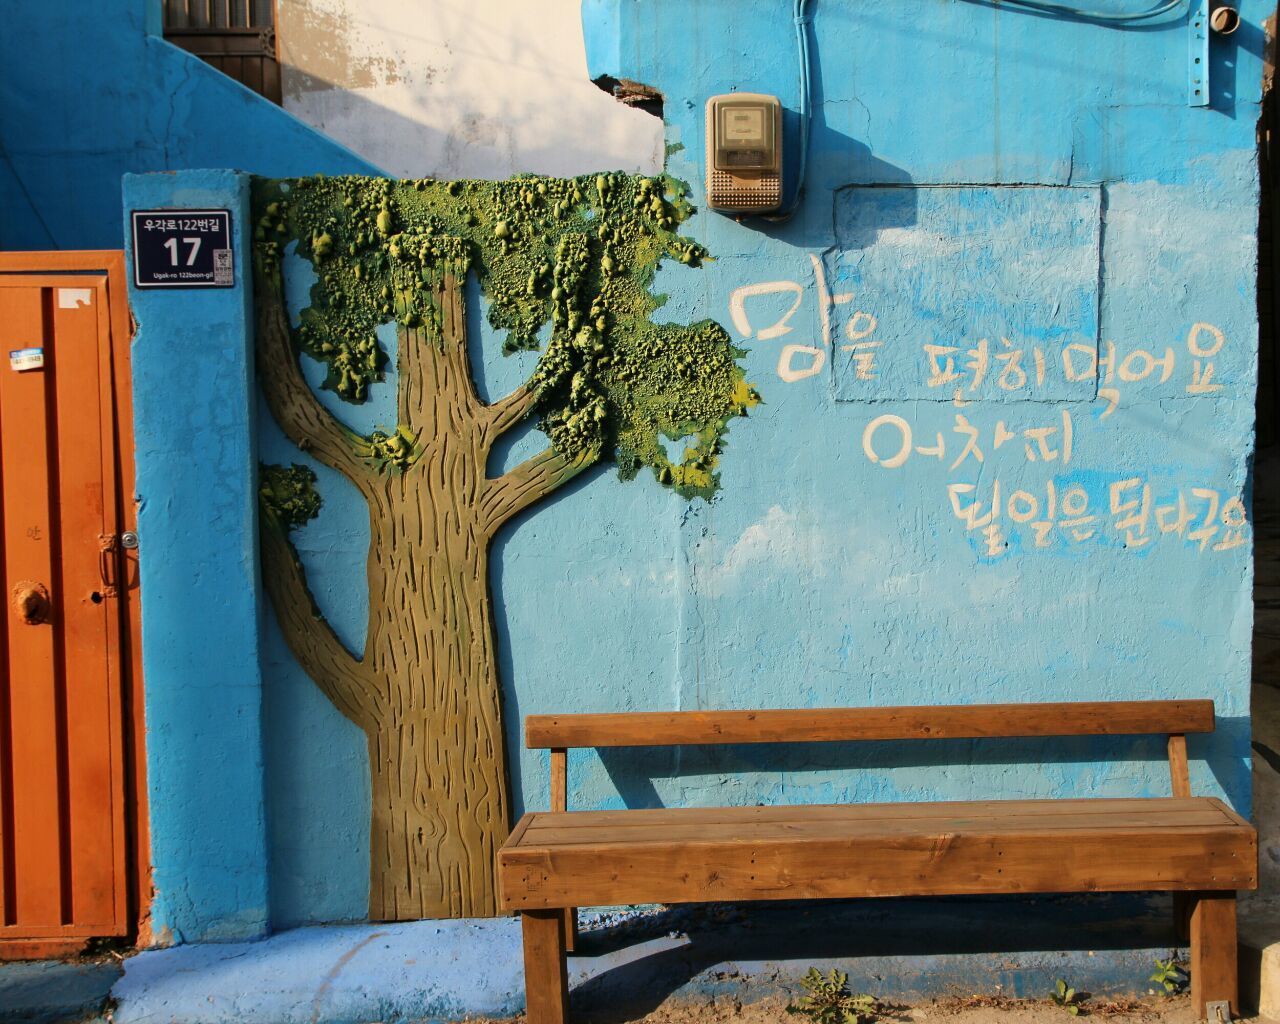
1174, 718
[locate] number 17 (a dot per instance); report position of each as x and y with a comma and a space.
172, 246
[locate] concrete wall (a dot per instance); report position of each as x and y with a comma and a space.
989, 193
484, 89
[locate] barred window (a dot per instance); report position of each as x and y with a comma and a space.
238, 37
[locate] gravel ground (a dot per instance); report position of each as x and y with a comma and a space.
974, 1010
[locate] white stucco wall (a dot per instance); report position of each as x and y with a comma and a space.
458, 88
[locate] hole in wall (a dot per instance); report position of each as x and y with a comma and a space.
632, 94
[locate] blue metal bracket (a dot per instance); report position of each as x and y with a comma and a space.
1198, 59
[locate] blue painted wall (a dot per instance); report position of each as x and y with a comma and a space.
87, 95
89, 92
198, 574
1023, 265
822, 574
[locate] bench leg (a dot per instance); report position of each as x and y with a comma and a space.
570, 929
546, 982
1182, 916
1213, 951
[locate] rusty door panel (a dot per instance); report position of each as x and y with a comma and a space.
63, 847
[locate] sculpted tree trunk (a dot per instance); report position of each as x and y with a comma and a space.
426, 690
567, 266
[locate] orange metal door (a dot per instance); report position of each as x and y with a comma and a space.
63, 845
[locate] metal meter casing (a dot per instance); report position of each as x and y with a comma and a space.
744, 152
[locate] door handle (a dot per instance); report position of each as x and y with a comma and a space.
31, 602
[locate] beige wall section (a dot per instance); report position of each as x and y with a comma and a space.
458, 88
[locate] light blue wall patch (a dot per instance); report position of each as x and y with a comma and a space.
988, 292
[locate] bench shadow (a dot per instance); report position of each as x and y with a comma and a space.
651, 956
1084, 760
635, 961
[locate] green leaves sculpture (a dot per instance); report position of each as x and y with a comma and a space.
576, 254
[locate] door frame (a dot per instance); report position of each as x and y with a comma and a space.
111, 263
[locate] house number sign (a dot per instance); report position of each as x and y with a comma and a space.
182, 249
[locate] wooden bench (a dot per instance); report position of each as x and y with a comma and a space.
1196, 846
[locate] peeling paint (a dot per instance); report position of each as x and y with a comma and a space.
321, 50
482, 89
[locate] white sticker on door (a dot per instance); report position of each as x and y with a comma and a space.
73, 298
26, 359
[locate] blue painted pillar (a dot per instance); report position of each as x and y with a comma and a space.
196, 483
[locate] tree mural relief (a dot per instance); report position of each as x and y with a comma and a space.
610, 384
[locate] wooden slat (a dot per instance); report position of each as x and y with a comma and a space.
240, 43
1113, 808
252, 73
8, 867
560, 802
88, 622
132, 856
517, 833
1213, 971
271, 82
678, 728
41, 949
544, 829
694, 832
115, 847
36, 843
559, 781
1179, 774
924, 864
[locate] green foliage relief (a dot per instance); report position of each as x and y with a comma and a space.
579, 254
289, 494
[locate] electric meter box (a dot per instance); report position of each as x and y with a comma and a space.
744, 152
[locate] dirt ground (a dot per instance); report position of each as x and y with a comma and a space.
973, 1010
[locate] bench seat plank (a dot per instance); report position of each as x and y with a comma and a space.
995, 811
835, 851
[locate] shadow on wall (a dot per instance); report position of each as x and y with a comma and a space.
838, 159
356, 107
513, 718
632, 770
835, 160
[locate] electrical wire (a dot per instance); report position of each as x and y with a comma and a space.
800, 15
1085, 14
